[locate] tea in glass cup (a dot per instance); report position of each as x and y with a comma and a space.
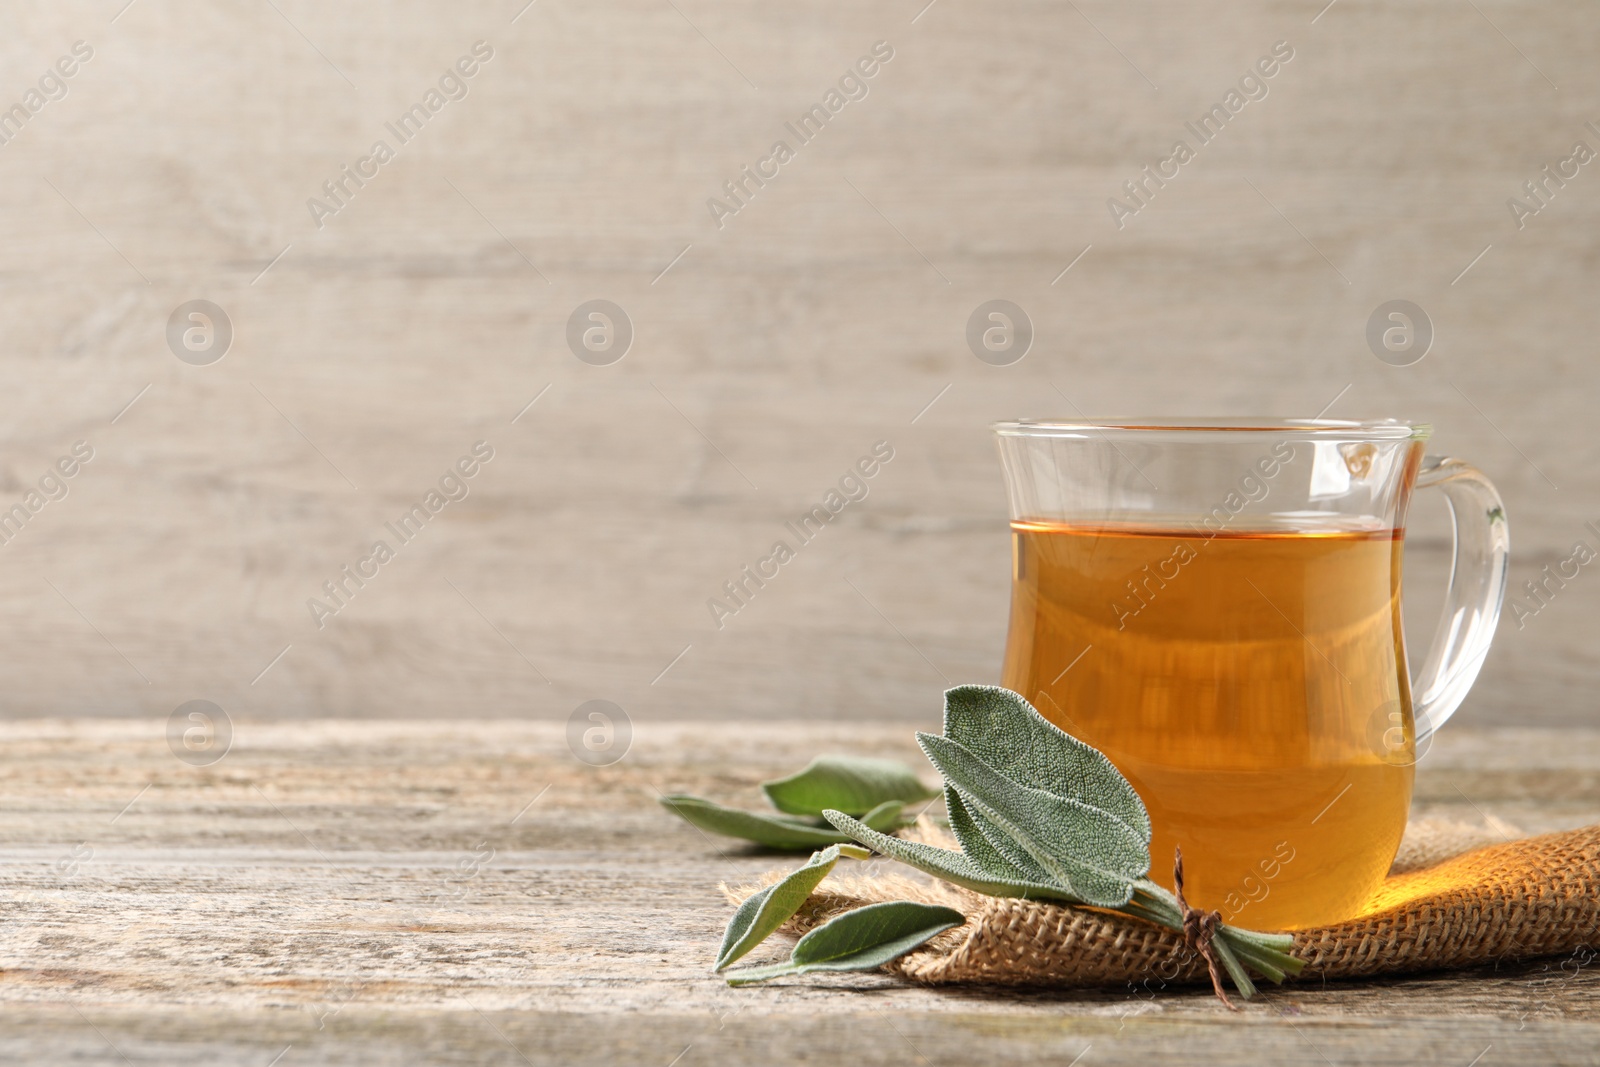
1233, 642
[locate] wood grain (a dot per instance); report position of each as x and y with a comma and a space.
381, 891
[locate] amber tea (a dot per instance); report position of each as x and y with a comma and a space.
1236, 678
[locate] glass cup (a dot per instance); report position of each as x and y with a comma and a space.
1215, 605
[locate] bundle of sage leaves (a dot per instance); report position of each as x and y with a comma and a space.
1038, 815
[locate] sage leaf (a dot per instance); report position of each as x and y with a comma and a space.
1006, 732
947, 864
1088, 884
977, 847
886, 816
1076, 845
773, 831
770, 908
860, 940
873, 935
846, 783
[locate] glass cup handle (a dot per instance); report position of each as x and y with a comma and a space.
1477, 590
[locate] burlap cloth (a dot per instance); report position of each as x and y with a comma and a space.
1451, 901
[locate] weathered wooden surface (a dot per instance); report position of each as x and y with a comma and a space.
431, 310
404, 893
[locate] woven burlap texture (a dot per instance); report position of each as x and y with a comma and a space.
1522, 899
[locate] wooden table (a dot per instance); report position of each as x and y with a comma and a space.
468, 892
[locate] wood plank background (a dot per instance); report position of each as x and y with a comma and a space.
769, 354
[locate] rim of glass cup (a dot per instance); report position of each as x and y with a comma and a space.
1344, 429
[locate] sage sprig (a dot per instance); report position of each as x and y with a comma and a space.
765, 911
860, 940
775, 831
874, 790
863, 939
1042, 815
1037, 813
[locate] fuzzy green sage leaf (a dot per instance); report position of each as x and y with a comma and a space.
951, 866
846, 783
770, 908
860, 940
1051, 838
786, 832
773, 831
1005, 731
